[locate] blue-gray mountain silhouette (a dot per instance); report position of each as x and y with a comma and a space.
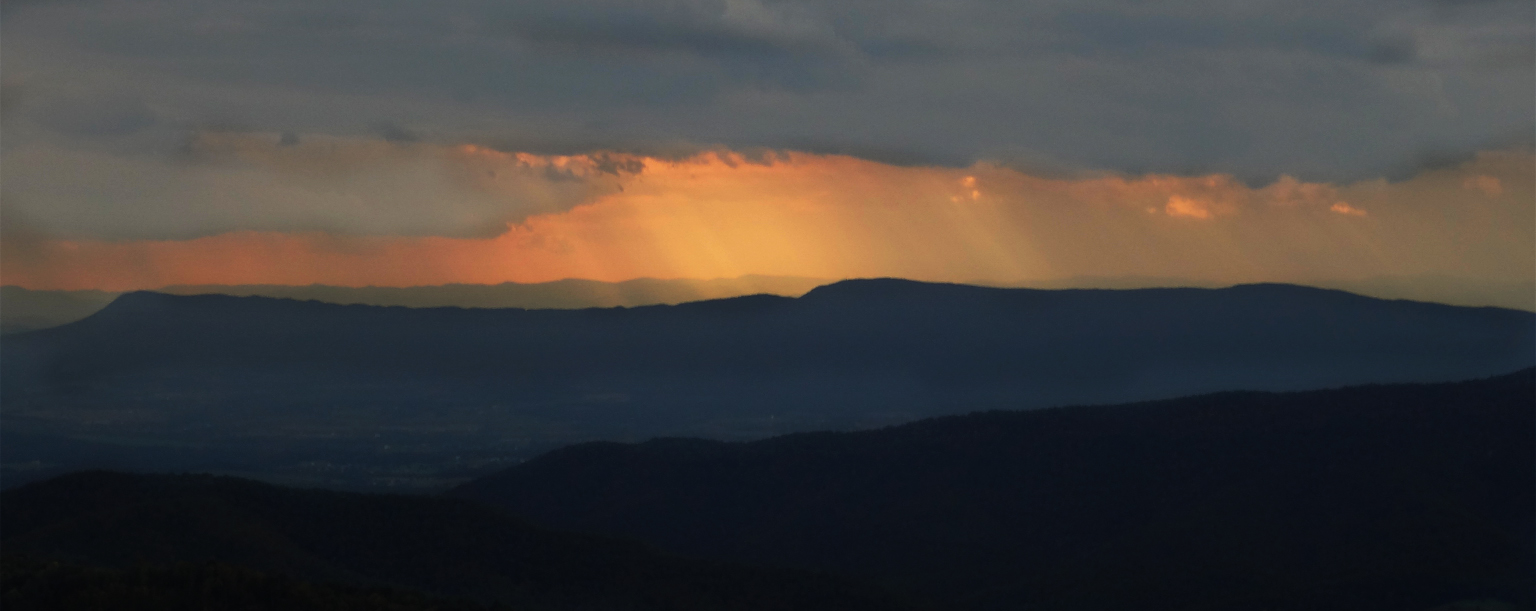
1373, 497
284, 381
896, 339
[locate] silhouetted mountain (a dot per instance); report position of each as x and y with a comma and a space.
28, 310
1452, 290
559, 294
283, 378
436, 545
1374, 497
1035, 346
1446, 289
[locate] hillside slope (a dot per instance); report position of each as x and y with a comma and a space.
441, 546
1373, 497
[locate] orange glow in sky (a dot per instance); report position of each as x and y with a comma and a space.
723, 214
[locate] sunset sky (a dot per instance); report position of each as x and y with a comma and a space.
151, 143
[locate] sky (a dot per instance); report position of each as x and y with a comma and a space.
146, 143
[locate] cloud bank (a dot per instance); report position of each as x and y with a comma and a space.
726, 214
154, 142
222, 182
1324, 91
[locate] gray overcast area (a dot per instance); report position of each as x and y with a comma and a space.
1321, 90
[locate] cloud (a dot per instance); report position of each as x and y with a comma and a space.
1345, 209
98, 116
11, 96
1323, 91
1488, 185
1486, 35
707, 28
1183, 206
392, 132
481, 141
20, 241
239, 181
723, 214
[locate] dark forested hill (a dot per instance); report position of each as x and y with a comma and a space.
34, 585
1372, 497
302, 381
441, 546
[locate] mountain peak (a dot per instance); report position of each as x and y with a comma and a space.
138, 303
885, 288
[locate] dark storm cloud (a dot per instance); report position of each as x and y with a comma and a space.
1337, 90
392, 132
11, 97
98, 116
1432, 159
1101, 33
1462, 3
637, 31
1393, 50
889, 156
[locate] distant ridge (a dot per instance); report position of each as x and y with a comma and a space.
26, 310
901, 288
558, 294
1450, 290
1270, 336
365, 383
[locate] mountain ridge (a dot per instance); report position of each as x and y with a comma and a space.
1401, 496
140, 302
26, 309
155, 370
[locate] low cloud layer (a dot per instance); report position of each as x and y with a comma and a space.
724, 214
155, 142
224, 182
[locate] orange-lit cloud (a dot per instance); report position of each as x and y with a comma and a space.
1489, 185
1346, 209
1183, 206
723, 214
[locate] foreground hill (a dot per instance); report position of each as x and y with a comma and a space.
32, 585
1374, 497
434, 545
249, 383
